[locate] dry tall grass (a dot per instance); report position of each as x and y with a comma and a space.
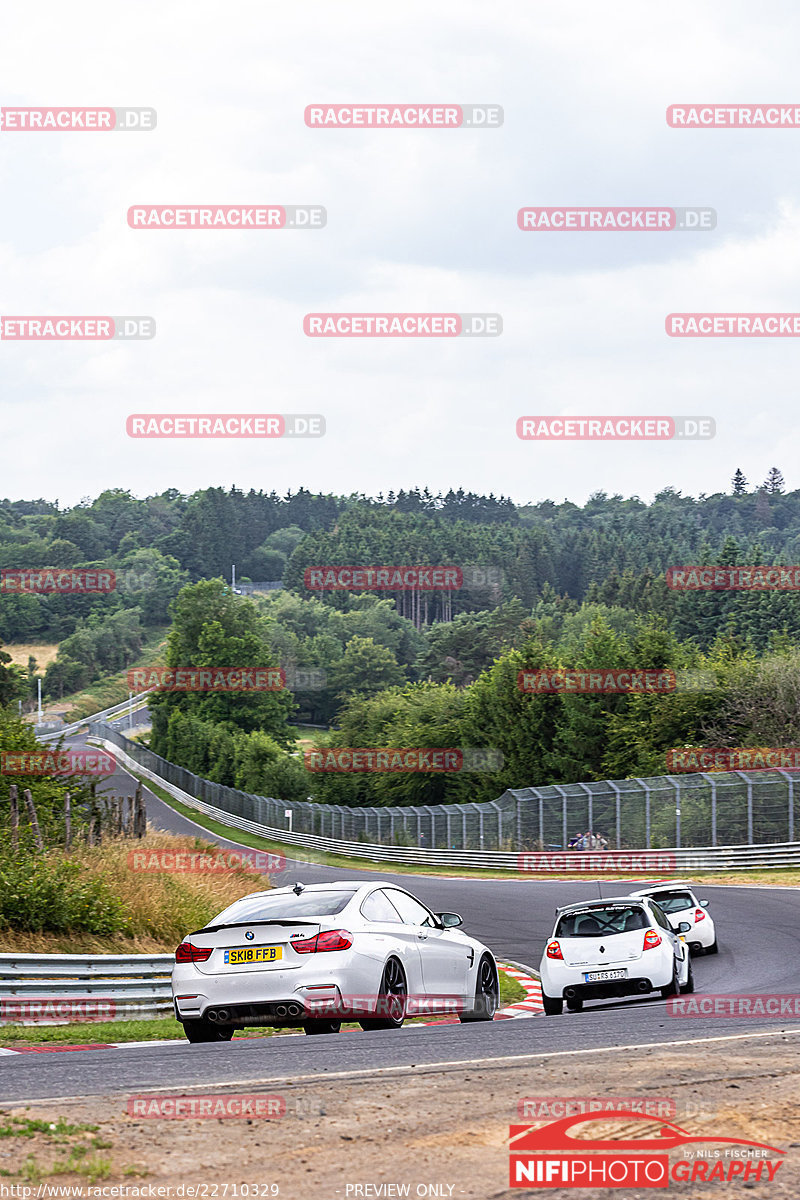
43, 652
162, 908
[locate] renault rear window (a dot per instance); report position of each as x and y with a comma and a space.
601, 922
673, 902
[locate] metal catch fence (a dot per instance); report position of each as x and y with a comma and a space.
678, 811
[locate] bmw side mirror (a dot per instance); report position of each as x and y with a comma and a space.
449, 920
684, 927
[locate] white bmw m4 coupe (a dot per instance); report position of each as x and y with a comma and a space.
314, 956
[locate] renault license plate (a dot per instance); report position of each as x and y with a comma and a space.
602, 976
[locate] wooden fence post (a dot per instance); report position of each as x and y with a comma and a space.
37, 833
67, 823
14, 805
140, 820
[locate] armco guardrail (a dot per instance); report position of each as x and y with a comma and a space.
667, 860
116, 710
138, 985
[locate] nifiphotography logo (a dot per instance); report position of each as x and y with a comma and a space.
556, 1155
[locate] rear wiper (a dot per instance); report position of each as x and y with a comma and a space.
240, 924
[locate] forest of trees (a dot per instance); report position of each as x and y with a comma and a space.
571, 586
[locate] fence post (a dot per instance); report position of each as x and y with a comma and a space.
677, 787
14, 806
519, 822
712, 781
646, 811
37, 833
790, 782
617, 817
748, 780
496, 806
67, 823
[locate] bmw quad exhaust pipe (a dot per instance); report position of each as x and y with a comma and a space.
217, 1014
288, 1010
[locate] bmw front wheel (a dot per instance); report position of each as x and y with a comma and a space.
487, 994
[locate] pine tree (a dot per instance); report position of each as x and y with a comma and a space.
774, 484
739, 483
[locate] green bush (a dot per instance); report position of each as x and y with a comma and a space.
40, 893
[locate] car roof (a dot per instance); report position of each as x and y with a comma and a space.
356, 885
678, 885
599, 902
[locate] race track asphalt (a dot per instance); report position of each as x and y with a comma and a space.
758, 930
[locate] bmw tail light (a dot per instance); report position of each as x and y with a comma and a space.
554, 951
332, 939
699, 915
187, 953
651, 940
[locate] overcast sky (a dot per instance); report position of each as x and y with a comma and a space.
417, 221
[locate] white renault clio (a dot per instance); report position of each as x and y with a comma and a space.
680, 903
314, 956
617, 947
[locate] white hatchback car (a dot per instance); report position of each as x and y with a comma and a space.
680, 903
621, 946
313, 956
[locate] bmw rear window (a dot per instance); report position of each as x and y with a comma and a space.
285, 906
602, 922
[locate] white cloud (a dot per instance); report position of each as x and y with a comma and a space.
416, 222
